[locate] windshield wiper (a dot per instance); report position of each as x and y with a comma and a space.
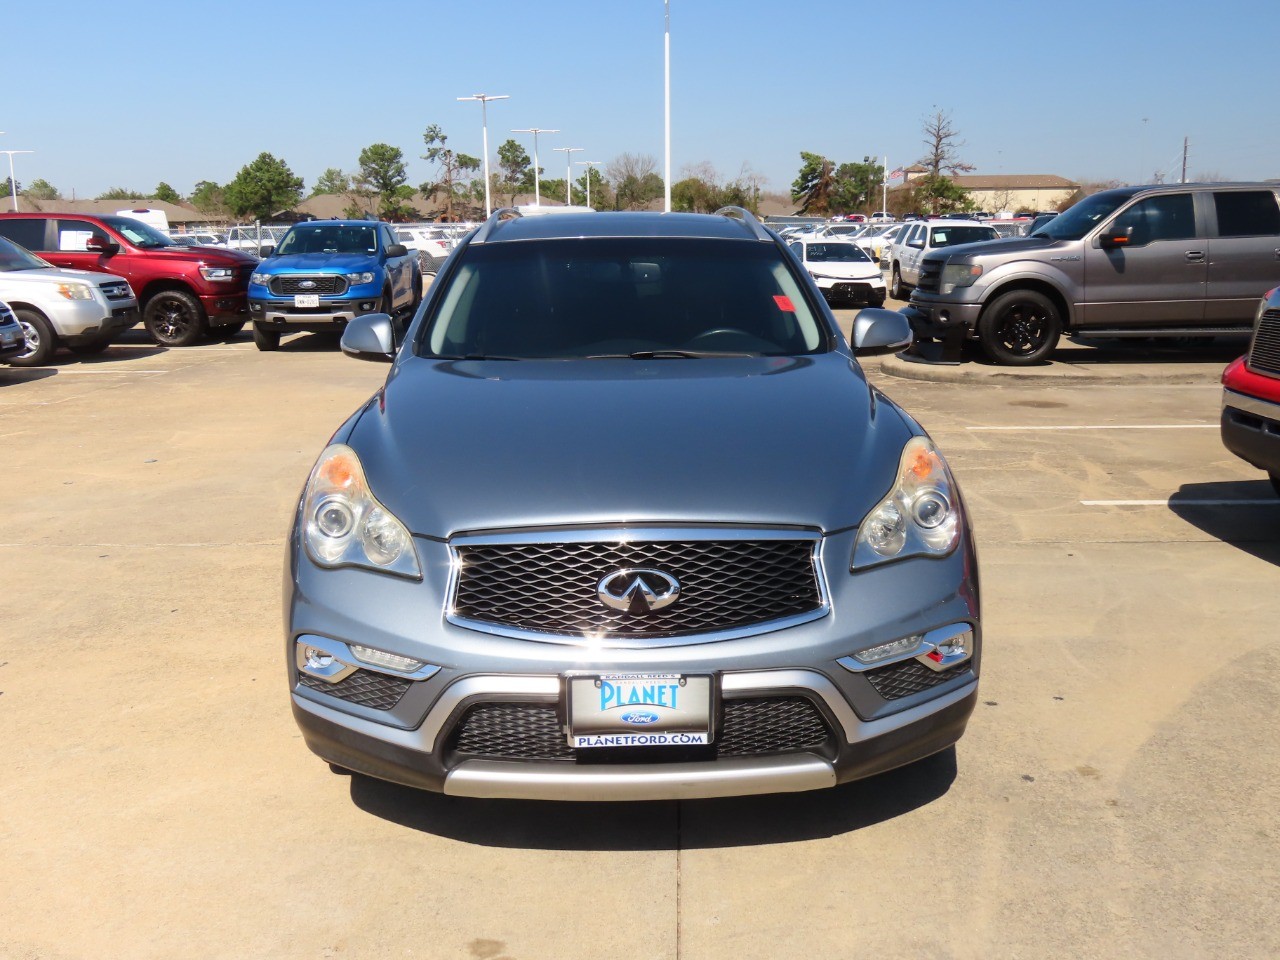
472, 356
665, 355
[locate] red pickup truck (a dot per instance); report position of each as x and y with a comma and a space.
1251, 395
184, 292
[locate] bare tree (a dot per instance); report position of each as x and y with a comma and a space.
943, 142
635, 180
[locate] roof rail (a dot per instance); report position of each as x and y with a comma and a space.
495, 218
748, 218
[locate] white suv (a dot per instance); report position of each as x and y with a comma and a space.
77, 309
925, 236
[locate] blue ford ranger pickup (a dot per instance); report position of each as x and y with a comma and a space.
325, 273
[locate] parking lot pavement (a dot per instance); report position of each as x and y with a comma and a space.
1112, 797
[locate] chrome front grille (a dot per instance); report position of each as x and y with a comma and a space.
527, 586
325, 284
116, 291
930, 276
1264, 351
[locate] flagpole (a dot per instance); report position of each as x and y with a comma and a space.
884, 205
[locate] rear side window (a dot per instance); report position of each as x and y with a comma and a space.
27, 233
74, 234
1247, 213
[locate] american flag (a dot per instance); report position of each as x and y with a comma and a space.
896, 174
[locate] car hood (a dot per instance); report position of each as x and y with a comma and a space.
999, 248
845, 271
319, 262
55, 275
215, 256
465, 445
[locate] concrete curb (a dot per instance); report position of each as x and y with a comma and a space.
1056, 372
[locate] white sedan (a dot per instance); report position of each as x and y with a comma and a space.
842, 270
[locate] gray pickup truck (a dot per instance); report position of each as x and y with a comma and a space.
1177, 260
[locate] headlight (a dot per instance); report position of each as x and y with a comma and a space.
955, 275
260, 278
345, 525
921, 514
359, 277
218, 274
76, 291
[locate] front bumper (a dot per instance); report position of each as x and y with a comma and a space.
281, 313
225, 307
419, 731
860, 290
932, 317
12, 340
1251, 430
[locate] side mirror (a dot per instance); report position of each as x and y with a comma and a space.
397, 250
1114, 237
876, 330
97, 244
266, 250
370, 337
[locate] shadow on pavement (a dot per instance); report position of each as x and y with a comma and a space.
311, 343
1220, 350
661, 825
1252, 527
13, 376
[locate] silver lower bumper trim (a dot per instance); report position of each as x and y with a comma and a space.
492, 779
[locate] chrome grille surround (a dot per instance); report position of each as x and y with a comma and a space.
1264, 348
326, 284
116, 291
715, 566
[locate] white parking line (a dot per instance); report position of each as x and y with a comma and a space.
1109, 426
1181, 503
117, 371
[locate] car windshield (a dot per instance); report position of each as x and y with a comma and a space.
138, 233
329, 238
14, 257
634, 297
1076, 221
950, 235
837, 253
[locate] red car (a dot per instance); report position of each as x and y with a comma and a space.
183, 292
1251, 395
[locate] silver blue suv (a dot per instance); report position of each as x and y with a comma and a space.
628, 522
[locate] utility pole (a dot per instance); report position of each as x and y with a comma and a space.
1184, 160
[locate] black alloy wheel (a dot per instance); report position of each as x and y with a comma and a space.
1020, 328
175, 318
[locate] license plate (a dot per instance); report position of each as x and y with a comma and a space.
306, 300
639, 710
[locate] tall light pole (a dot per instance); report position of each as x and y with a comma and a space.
537, 194
666, 44
589, 164
568, 172
484, 117
13, 184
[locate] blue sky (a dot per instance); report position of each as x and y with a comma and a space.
132, 93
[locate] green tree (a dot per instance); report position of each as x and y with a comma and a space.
166, 193
814, 187
332, 180
940, 194
209, 199
12, 186
120, 193
635, 181
515, 171
41, 190
601, 195
857, 186
262, 188
382, 173
454, 170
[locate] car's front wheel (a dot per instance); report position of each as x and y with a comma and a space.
175, 318
265, 339
41, 340
1019, 328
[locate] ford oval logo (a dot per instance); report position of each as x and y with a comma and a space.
307, 284
639, 718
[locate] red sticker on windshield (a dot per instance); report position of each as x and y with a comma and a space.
784, 303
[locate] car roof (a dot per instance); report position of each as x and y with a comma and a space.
618, 224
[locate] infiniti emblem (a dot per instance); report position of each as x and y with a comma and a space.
638, 591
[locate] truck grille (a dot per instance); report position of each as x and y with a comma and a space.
1264, 351
551, 587
532, 731
930, 276
326, 285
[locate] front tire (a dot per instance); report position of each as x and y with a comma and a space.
42, 343
1019, 328
897, 289
265, 339
175, 318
